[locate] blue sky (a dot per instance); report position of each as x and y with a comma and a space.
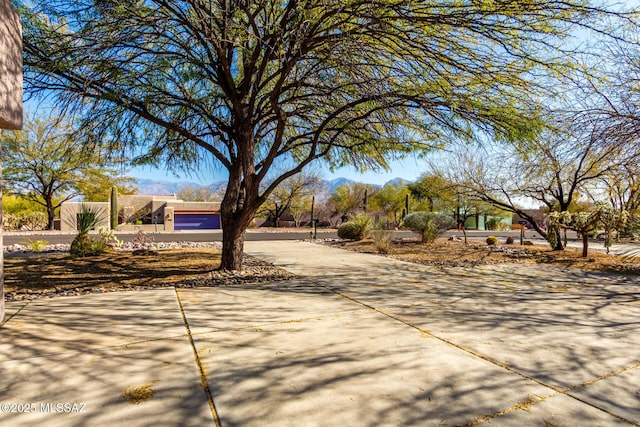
409, 169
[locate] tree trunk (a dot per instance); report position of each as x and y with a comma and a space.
238, 207
51, 215
585, 244
232, 246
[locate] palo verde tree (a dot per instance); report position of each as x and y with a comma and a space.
390, 200
351, 199
48, 163
255, 84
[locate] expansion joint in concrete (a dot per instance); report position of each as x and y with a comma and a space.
201, 371
529, 402
7, 318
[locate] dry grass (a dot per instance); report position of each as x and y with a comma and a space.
455, 253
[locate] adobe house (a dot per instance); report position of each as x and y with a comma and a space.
539, 215
150, 213
10, 92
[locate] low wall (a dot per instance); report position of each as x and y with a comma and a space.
70, 210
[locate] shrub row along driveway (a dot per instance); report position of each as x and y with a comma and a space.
361, 340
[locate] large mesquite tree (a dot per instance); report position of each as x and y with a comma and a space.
253, 84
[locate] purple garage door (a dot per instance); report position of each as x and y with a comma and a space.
196, 221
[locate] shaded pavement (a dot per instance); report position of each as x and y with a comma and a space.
361, 340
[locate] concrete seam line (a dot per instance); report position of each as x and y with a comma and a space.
557, 390
602, 377
203, 376
524, 405
6, 320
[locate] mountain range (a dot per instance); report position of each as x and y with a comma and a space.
150, 186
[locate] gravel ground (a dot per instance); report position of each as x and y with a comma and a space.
254, 271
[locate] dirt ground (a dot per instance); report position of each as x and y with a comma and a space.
39, 274
35, 275
445, 253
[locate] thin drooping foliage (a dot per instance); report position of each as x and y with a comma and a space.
253, 85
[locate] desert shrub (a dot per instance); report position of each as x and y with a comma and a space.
492, 240
36, 245
109, 235
349, 231
509, 240
85, 221
356, 229
364, 223
382, 240
33, 221
9, 222
428, 225
83, 246
28, 221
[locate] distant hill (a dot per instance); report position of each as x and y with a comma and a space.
150, 186
336, 182
398, 182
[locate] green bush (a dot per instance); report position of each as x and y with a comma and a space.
356, 229
24, 221
87, 219
36, 245
492, 240
364, 223
19, 205
428, 225
349, 231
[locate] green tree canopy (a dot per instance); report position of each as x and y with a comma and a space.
261, 83
101, 180
49, 164
390, 200
351, 199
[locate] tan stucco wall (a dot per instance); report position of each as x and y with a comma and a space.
163, 207
69, 210
135, 204
10, 67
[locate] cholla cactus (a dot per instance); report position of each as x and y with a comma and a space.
603, 216
108, 235
611, 219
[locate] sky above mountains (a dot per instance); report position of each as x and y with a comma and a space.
408, 169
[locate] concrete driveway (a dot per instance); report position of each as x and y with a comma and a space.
360, 340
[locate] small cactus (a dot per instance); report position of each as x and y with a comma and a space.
114, 208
